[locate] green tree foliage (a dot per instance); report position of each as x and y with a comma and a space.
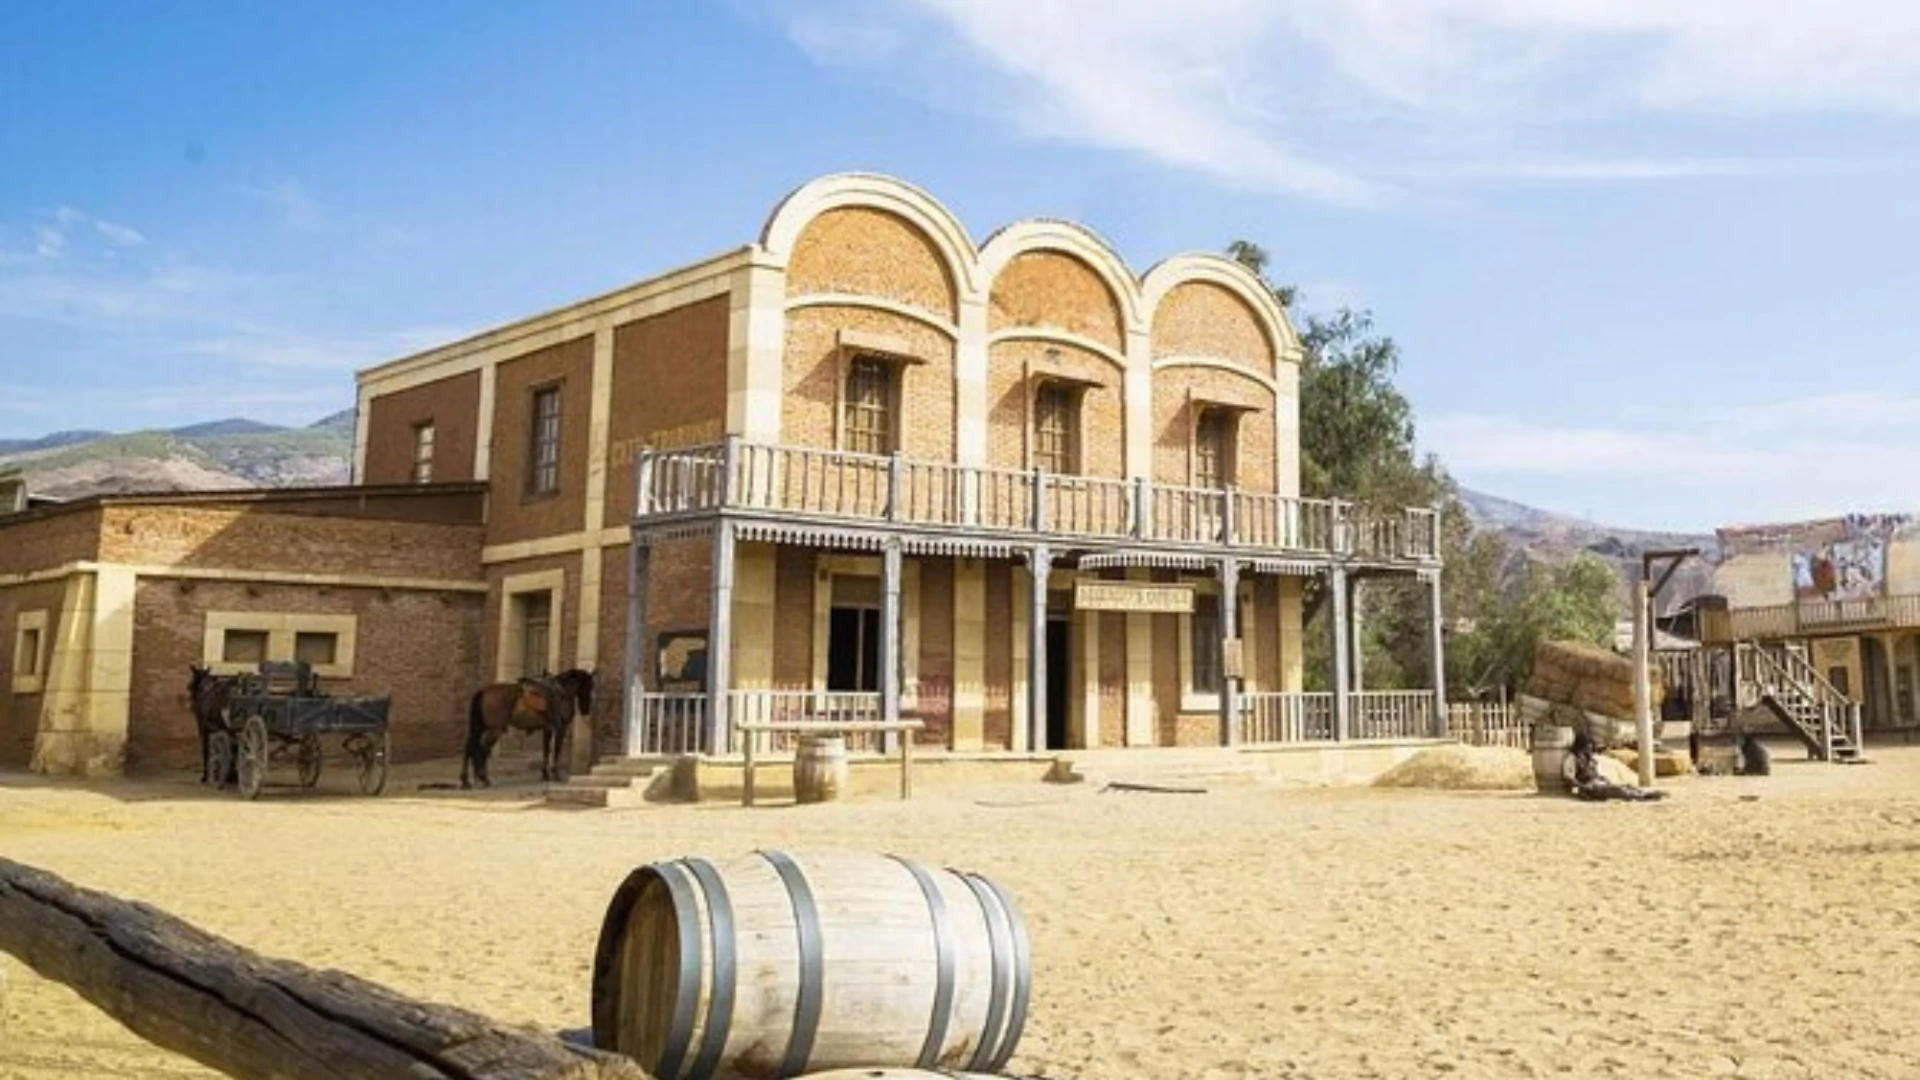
1357, 442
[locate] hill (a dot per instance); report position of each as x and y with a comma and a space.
1533, 533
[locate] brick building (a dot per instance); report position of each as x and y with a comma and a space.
864, 467
105, 603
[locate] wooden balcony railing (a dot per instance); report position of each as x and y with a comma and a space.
1776, 622
806, 482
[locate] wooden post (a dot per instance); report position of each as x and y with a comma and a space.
1642, 682
639, 579
1337, 588
890, 574
1437, 654
1040, 565
1356, 655
254, 1017
720, 638
746, 768
1230, 639
906, 765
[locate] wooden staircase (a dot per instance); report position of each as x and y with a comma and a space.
1816, 713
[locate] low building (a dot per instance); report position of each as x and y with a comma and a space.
1842, 593
863, 466
106, 602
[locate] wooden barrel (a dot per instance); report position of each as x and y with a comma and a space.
772, 965
820, 769
1550, 747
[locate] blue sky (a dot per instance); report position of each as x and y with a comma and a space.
1648, 262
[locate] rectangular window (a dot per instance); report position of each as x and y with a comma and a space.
543, 466
29, 653
244, 647
868, 423
1213, 439
1056, 428
1205, 676
315, 648
535, 611
423, 453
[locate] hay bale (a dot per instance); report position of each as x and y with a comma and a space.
1463, 768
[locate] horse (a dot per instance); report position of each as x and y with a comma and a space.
209, 694
543, 703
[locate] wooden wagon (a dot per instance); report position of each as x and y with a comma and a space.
278, 715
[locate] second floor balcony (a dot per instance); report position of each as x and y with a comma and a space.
840, 487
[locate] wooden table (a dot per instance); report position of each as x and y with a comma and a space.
813, 727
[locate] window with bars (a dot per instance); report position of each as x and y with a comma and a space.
867, 427
543, 471
1056, 428
423, 452
1213, 449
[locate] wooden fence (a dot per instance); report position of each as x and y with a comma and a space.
1487, 723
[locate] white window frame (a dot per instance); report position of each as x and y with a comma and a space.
281, 628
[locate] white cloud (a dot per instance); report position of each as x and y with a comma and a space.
123, 235
1360, 101
298, 210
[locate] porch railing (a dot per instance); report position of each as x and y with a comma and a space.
833, 484
663, 724
1275, 719
1391, 714
800, 707
1488, 723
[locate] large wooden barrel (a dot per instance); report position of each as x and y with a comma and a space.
1550, 747
773, 964
820, 769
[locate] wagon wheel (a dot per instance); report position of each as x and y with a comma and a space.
253, 756
309, 757
373, 764
219, 758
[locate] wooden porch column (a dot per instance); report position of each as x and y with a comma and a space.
1230, 639
1437, 653
1337, 587
1891, 661
1039, 566
720, 638
1356, 655
639, 578
890, 573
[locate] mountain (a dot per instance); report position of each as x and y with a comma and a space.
1535, 534
211, 456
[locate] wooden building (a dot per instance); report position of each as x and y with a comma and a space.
864, 467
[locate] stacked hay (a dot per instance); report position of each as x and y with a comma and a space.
1584, 687
1463, 768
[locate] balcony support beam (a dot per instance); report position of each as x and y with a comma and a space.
1230, 639
1437, 654
891, 567
1040, 567
1342, 684
720, 637
639, 579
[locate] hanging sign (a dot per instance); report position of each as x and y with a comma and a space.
1158, 598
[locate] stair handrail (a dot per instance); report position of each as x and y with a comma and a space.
1783, 669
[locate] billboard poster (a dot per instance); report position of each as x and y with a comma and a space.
1832, 559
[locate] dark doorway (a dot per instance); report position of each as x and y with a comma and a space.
853, 649
1059, 679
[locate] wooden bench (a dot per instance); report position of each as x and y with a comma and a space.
850, 727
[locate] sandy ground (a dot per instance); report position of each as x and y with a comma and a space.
1765, 927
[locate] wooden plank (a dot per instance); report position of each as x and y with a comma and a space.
254, 1017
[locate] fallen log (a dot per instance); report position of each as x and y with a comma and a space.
258, 1018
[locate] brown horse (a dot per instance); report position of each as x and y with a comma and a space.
543, 703
209, 693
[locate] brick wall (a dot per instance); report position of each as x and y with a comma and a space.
1056, 290
48, 538
1266, 614
1012, 367
513, 514
680, 593
452, 405
870, 253
1174, 391
998, 720
669, 386
936, 651
241, 538
422, 648
20, 713
566, 622
1200, 318
814, 372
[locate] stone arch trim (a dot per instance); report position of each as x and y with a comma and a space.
876, 192
1073, 240
1224, 272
